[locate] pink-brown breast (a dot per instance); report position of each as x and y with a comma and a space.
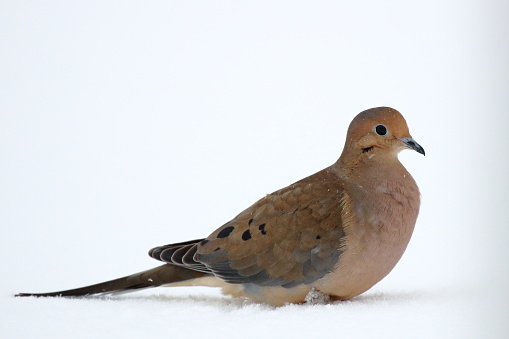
378, 223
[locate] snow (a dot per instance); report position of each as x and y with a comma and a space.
426, 313
125, 126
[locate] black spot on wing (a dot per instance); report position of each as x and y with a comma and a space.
225, 232
262, 229
246, 235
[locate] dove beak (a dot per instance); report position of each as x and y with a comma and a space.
412, 144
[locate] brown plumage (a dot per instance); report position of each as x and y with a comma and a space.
338, 231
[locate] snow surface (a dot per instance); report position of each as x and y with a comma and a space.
127, 125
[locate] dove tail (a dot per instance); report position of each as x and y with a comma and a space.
161, 275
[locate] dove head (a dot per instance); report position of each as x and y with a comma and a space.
378, 133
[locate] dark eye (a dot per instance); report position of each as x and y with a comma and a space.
381, 130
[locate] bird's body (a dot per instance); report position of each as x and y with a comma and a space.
338, 231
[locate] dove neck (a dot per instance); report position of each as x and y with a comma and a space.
369, 167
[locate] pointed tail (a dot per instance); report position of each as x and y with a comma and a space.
161, 275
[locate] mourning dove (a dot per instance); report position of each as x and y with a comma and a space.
337, 232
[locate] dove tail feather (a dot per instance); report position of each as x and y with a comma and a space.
161, 275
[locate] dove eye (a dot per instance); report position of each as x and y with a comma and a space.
381, 130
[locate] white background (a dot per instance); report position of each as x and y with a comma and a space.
125, 125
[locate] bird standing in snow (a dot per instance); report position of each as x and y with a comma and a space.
337, 232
